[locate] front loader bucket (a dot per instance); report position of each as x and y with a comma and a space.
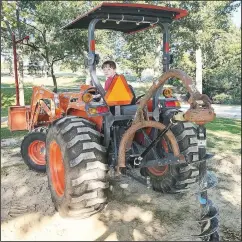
18, 117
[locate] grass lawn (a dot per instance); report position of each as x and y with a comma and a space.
224, 135
8, 96
4, 112
6, 133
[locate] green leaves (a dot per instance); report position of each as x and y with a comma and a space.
208, 26
43, 20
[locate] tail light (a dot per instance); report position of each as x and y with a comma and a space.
98, 110
102, 109
172, 104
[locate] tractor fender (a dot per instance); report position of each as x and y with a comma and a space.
78, 109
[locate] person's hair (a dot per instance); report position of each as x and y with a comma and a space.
110, 63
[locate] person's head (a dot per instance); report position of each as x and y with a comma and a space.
109, 68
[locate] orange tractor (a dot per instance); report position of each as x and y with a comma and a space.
84, 139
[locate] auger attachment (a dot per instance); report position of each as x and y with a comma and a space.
198, 113
207, 180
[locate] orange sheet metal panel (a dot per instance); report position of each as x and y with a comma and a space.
98, 120
18, 117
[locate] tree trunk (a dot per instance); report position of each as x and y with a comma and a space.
20, 81
47, 70
10, 62
199, 83
157, 60
21, 92
53, 78
138, 73
20, 61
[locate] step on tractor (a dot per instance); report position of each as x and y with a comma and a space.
85, 139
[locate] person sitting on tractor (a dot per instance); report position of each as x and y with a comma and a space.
109, 70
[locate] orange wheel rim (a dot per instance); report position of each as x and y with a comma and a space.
36, 151
160, 170
57, 169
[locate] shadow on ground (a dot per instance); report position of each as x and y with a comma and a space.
135, 213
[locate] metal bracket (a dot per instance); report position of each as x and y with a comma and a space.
91, 59
169, 159
105, 20
156, 113
117, 110
155, 22
137, 23
117, 22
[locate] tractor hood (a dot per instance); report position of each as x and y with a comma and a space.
127, 17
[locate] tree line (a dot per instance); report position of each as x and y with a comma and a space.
207, 31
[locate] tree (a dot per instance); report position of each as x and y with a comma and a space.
140, 50
51, 42
222, 72
11, 19
205, 30
197, 33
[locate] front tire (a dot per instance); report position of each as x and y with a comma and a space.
76, 167
33, 149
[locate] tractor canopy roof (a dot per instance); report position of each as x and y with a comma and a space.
127, 17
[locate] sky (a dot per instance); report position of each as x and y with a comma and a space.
237, 17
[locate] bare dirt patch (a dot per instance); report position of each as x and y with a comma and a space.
134, 213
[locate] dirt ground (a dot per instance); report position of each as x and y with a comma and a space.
133, 213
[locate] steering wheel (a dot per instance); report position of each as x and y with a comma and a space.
95, 93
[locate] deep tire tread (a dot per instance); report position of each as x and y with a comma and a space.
177, 175
85, 165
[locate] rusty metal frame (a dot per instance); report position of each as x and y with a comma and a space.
197, 113
45, 107
40, 93
139, 125
34, 116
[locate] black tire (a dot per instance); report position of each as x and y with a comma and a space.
85, 168
177, 176
38, 134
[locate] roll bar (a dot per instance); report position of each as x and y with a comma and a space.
92, 57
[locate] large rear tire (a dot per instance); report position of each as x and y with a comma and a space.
172, 177
76, 167
33, 149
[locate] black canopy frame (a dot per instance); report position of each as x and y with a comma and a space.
127, 18
139, 16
